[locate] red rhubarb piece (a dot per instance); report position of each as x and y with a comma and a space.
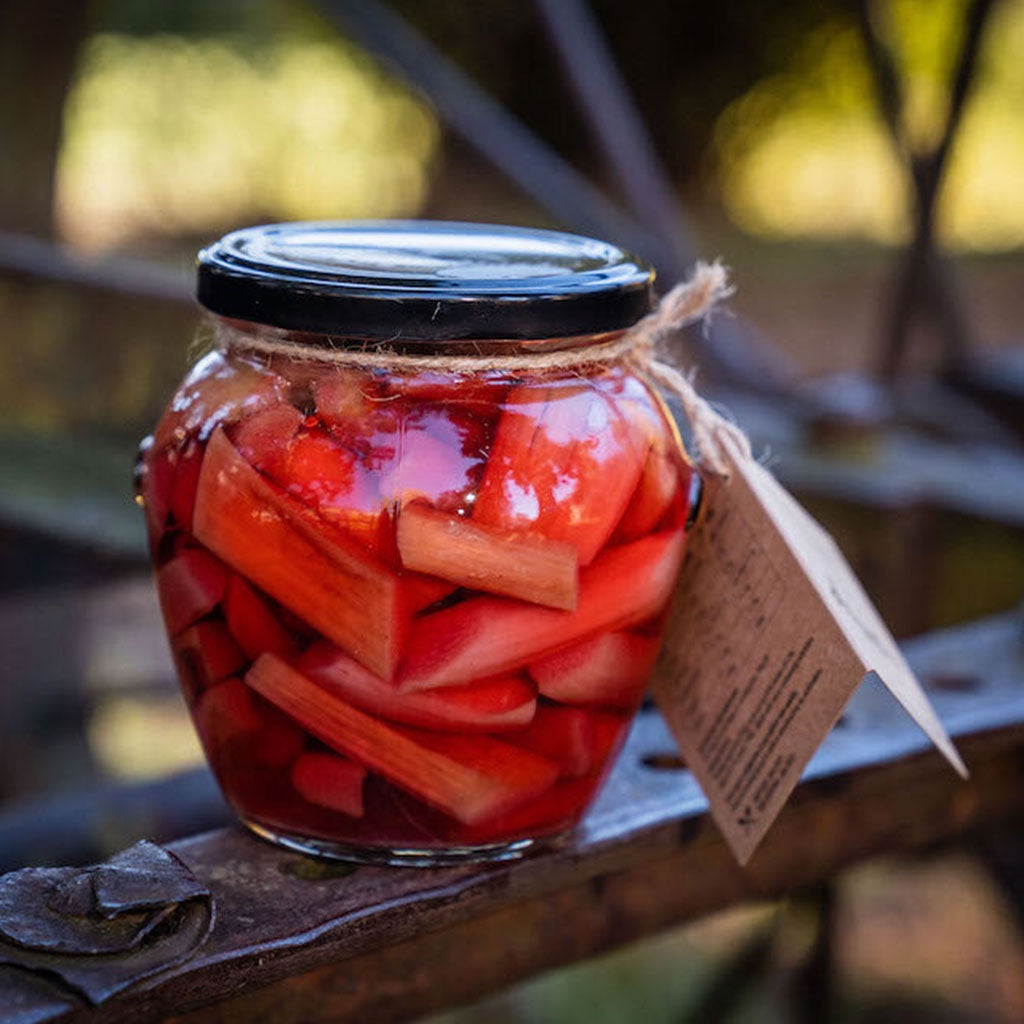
665, 477
563, 464
610, 669
226, 718
373, 530
319, 471
330, 781
350, 403
472, 778
190, 586
264, 438
564, 735
237, 728
490, 705
216, 392
610, 731
298, 559
648, 419
423, 591
660, 484
329, 478
209, 652
252, 623
474, 391
554, 811
521, 565
186, 480
158, 471
279, 740
485, 636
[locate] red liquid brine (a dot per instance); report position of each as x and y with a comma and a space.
413, 611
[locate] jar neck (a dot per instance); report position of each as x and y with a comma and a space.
243, 335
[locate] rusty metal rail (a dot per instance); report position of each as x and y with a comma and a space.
299, 940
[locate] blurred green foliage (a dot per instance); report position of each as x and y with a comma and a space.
767, 109
170, 135
803, 153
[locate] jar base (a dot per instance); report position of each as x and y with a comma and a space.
405, 856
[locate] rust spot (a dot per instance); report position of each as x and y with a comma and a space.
953, 682
828, 785
688, 829
663, 761
309, 869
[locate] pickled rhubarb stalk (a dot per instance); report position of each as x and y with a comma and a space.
485, 636
219, 390
423, 591
330, 781
264, 438
553, 811
209, 651
252, 623
610, 669
158, 472
226, 717
563, 464
186, 479
658, 487
491, 705
320, 472
472, 778
190, 586
315, 469
521, 565
564, 735
237, 728
665, 467
347, 401
307, 566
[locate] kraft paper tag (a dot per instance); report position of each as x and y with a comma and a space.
771, 634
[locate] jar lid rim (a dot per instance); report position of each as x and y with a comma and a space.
423, 280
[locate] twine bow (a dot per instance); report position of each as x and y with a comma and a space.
717, 439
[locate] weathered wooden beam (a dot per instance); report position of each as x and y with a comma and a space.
39, 53
75, 489
499, 137
994, 378
887, 467
616, 124
925, 284
36, 260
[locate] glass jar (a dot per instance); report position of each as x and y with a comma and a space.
414, 533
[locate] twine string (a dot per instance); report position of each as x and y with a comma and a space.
717, 440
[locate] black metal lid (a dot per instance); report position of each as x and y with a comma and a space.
423, 280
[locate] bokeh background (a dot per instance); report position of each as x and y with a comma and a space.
134, 131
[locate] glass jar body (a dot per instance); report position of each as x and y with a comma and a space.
413, 612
